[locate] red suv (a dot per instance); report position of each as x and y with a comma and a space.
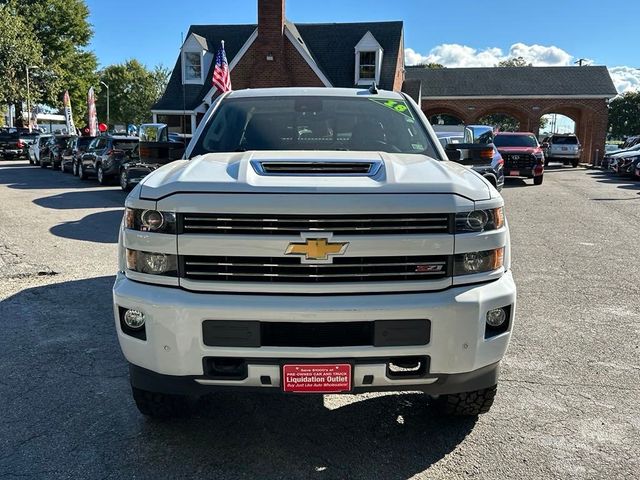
522, 155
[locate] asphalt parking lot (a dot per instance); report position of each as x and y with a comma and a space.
568, 404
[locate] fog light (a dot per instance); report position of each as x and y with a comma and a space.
496, 317
156, 263
134, 319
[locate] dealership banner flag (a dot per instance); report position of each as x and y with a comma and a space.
68, 114
91, 112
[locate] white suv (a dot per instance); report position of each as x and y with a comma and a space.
316, 241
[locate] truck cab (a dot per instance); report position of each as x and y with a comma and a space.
314, 241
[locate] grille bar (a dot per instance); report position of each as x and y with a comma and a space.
285, 269
294, 224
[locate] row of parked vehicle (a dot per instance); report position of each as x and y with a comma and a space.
514, 154
624, 160
109, 158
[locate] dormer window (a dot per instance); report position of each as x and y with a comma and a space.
367, 65
192, 67
368, 60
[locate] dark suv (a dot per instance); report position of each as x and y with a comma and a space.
78, 148
58, 147
522, 155
104, 157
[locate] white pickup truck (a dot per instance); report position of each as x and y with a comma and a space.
315, 241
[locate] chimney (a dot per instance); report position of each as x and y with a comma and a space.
271, 19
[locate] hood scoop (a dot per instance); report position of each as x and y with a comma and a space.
361, 168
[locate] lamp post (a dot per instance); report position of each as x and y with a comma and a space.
33, 67
108, 122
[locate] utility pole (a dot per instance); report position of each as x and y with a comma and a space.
580, 61
108, 119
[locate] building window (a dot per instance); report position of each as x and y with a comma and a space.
192, 67
367, 65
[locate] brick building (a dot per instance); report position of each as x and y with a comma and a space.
277, 53
525, 93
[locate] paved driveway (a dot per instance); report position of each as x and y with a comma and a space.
568, 403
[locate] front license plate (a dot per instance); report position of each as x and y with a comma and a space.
514, 173
316, 378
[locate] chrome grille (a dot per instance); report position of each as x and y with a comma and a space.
290, 270
378, 224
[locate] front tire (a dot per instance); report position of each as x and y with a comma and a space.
470, 404
161, 405
574, 163
81, 173
74, 168
538, 180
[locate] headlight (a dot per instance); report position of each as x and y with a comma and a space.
480, 220
152, 263
150, 220
478, 262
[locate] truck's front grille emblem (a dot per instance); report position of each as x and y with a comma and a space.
317, 249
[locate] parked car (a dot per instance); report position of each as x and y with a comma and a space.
157, 148
522, 154
11, 146
609, 162
636, 171
79, 148
491, 167
624, 163
27, 138
565, 148
631, 141
38, 147
57, 147
104, 157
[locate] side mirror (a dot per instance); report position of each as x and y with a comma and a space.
453, 153
470, 153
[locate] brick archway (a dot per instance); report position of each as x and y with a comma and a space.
590, 115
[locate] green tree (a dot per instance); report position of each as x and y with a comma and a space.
18, 50
514, 62
501, 121
624, 115
61, 32
133, 89
431, 65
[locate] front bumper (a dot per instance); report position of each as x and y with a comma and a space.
172, 357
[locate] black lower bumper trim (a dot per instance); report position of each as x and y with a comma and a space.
144, 379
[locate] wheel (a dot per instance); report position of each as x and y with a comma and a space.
160, 405
469, 403
74, 168
81, 173
42, 164
538, 180
546, 162
102, 178
574, 163
124, 181
62, 169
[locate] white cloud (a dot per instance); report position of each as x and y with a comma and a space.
625, 79
455, 55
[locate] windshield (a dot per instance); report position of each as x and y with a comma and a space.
565, 140
528, 141
314, 123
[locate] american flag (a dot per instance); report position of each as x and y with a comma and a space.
221, 77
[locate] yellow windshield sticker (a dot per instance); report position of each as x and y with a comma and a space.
398, 107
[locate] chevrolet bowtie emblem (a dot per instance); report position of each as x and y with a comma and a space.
317, 249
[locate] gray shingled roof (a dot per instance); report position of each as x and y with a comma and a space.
513, 81
331, 45
234, 37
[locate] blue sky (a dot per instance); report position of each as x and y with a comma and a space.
459, 33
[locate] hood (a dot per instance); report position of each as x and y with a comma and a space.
523, 150
235, 173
